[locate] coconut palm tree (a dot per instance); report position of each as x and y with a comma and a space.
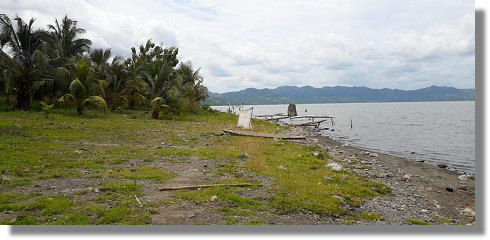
23, 57
192, 82
66, 36
159, 79
84, 88
118, 79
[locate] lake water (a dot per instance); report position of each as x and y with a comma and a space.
437, 132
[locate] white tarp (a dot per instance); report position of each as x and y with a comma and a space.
244, 119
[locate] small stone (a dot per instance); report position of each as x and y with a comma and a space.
335, 166
442, 165
407, 176
389, 175
316, 154
424, 210
96, 190
463, 177
319, 183
420, 160
412, 153
449, 189
367, 153
374, 155
214, 198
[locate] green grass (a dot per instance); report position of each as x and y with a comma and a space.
416, 222
297, 171
138, 173
118, 153
370, 216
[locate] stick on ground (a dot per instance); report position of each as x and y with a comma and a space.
138, 201
209, 185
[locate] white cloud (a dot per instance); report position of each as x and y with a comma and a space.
257, 43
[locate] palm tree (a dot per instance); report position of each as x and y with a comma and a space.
192, 82
23, 57
66, 38
118, 78
84, 88
100, 57
159, 80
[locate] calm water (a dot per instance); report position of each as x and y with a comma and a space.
437, 132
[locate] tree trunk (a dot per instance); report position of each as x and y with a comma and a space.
156, 113
114, 107
23, 100
131, 101
79, 110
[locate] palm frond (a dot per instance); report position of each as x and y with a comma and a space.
96, 101
65, 99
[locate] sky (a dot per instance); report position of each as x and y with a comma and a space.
266, 44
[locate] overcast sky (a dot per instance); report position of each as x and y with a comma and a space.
404, 44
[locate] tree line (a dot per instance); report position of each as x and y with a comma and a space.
58, 66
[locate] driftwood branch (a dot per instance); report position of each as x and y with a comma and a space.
209, 185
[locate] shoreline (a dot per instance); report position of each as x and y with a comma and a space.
448, 167
420, 191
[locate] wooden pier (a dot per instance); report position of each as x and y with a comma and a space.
312, 122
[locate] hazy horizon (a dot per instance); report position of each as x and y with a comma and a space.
341, 86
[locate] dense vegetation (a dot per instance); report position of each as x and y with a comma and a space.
58, 66
307, 94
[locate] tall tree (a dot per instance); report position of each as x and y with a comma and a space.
159, 80
23, 57
66, 36
118, 79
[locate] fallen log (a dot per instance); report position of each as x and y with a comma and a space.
264, 135
209, 185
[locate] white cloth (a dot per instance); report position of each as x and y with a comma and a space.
244, 119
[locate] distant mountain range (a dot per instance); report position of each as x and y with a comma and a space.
307, 94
